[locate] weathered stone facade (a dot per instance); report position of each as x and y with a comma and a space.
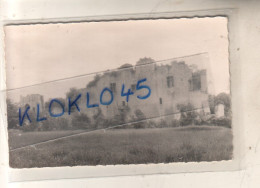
32, 100
171, 83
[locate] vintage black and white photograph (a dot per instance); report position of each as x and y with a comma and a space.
118, 92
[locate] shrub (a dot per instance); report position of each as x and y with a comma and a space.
139, 117
163, 123
188, 115
27, 126
12, 117
46, 126
54, 124
139, 114
151, 124
81, 121
99, 120
175, 123
62, 123
30, 126
222, 121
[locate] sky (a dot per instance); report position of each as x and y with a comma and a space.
42, 53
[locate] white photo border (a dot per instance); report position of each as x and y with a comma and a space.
52, 173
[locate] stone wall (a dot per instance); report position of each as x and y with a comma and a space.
32, 100
164, 98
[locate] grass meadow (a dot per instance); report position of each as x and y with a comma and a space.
121, 146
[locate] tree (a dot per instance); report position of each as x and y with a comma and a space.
211, 100
120, 118
94, 81
145, 60
223, 98
140, 117
30, 126
72, 93
47, 103
12, 115
99, 119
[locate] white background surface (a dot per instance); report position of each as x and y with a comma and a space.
248, 48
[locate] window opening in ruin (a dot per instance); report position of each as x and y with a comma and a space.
196, 82
190, 85
113, 87
170, 81
133, 87
160, 100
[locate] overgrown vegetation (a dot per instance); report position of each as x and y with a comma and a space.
188, 116
94, 82
81, 121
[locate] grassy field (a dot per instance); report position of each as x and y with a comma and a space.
122, 146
